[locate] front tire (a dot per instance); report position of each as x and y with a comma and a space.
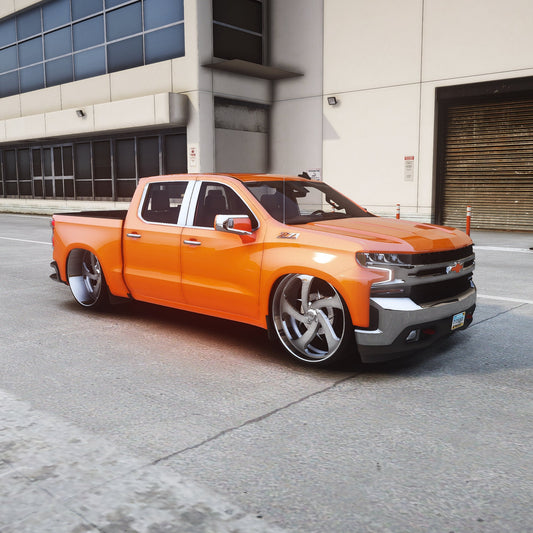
311, 321
86, 279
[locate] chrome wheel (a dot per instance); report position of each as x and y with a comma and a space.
310, 319
86, 278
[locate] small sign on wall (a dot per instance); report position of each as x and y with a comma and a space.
409, 168
314, 174
192, 157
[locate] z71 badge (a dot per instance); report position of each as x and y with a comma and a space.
288, 235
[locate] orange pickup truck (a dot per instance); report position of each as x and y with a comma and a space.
326, 278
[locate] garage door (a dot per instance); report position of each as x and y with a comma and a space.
489, 165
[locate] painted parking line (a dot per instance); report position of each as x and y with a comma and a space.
505, 299
25, 240
504, 249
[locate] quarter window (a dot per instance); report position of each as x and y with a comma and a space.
163, 201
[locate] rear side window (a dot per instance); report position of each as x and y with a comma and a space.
162, 202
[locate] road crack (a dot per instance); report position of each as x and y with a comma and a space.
497, 315
254, 420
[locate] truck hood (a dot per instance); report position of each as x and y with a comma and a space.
385, 234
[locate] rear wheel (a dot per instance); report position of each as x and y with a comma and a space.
311, 320
86, 279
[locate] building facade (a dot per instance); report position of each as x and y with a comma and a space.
425, 103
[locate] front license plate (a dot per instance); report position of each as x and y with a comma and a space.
458, 320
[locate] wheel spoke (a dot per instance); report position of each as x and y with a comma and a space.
304, 341
306, 285
327, 329
287, 307
327, 302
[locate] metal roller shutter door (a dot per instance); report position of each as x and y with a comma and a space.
489, 165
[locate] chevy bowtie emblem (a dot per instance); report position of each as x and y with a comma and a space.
455, 268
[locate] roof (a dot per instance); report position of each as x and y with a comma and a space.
239, 176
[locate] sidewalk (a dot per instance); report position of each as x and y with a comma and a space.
55, 478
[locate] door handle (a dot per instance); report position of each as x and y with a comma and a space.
193, 243
133, 235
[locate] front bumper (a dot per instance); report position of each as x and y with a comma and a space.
398, 317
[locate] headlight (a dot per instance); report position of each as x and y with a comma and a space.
368, 259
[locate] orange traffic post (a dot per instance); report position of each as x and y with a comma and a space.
468, 217
397, 211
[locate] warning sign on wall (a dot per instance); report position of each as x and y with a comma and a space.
409, 168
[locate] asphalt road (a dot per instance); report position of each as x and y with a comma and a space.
440, 442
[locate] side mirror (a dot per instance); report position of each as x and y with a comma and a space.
238, 224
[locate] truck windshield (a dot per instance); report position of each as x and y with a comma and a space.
298, 202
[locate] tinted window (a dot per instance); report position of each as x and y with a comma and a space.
9, 84
84, 8
102, 160
125, 54
124, 21
24, 164
31, 51
82, 160
176, 154
148, 156
29, 24
67, 160
8, 59
246, 14
32, 78
163, 202
88, 33
162, 12
229, 43
164, 44
36, 157
125, 158
89, 63
55, 14
57, 43
7, 32
59, 71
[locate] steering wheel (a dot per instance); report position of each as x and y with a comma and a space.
318, 212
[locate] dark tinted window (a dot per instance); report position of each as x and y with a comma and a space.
124, 21
82, 160
36, 157
125, 149
176, 154
162, 12
125, 54
164, 44
59, 71
89, 63
245, 14
57, 43
229, 43
32, 78
102, 160
148, 149
84, 8
8, 35
9, 84
88, 33
55, 14
31, 51
67, 161
29, 24
23, 157
8, 59
163, 202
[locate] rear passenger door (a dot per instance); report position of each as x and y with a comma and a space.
151, 242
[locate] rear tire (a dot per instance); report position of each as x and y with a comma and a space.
86, 279
311, 321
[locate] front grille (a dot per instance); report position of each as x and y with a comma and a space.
431, 258
439, 291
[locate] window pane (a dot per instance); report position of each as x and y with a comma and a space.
69, 188
82, 160
23, 157
89, 63
125, 54
162, 12
148, 156
102, 160
103, 189
57, 43
36, 155
8, 59
9, 84
7, 32
113, 3
47, 159
31, 51
246, 14
175, 154
164, 44
126, 188
84, 189
59, 71
125, 158
234, 44
84, 8
58, 166
32, 78
124, 21
88, 33
29, 23
67, 160
56, 14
